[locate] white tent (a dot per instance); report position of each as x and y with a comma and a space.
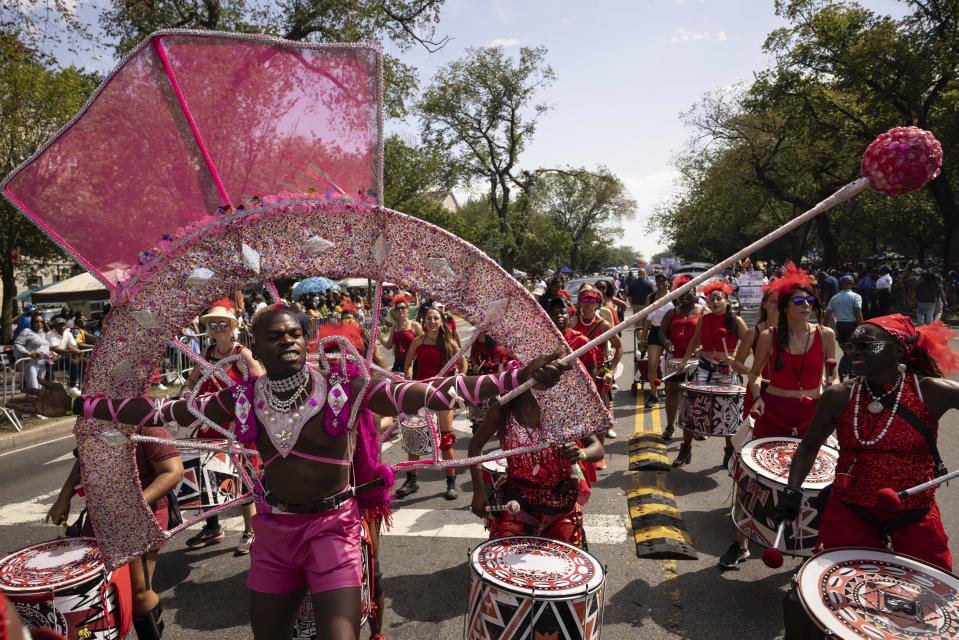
80, 287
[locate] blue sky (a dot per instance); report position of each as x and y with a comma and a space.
626, 70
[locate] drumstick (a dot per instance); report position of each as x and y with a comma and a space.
722, 333
510, 507
773, 557
689, 366
890, 499
919, 155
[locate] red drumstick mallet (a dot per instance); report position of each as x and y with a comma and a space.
891, 500
773, 557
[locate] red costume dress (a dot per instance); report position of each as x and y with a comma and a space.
575, 340
549, 489
598, 353
899, 459
714, 324
784, 416
214, 384
429, 362
680, 332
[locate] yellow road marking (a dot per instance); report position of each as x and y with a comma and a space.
640, 510
640, 491
659, 532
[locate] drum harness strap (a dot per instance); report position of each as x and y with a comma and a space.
906, 516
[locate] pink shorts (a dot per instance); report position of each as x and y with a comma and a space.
320, 550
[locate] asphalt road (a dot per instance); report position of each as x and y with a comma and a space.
424, 558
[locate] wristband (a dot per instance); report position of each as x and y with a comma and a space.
582, 454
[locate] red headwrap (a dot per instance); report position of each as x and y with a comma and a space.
226, 303
679, 281
590, 295
717, 285
931, 338
346, 330
793, 278
399, 298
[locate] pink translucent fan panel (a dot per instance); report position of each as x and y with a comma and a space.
273, 116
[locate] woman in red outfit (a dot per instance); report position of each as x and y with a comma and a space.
677, 330
887, 422
718, 334
430, 352
797, 353
402, 331
220, 325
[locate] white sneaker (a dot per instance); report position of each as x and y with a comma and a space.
74, 392
161, 387
611, 434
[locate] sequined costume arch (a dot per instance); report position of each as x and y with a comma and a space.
223, 125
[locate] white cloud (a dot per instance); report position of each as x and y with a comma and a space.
685, 35
568, 20
504, 42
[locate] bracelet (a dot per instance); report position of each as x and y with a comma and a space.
582, 454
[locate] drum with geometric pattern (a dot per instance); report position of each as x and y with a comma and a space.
209, 478
710, 409
868, 594
528, 587
761, 474
416, 434
63, 584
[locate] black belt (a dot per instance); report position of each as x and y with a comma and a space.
326, 504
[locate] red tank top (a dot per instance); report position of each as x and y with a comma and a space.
709, 334
213, 384
900, 459
402, 341
590, 331
800, 372
681, 332
428, 361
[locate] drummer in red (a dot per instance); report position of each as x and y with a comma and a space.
678, 327
718, 334
801, 358
887, 421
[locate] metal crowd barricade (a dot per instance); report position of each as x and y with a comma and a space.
7, 370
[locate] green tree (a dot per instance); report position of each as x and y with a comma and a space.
404, 23
481, 110
584, 204
35, 100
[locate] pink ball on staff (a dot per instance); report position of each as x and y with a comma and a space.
902, 160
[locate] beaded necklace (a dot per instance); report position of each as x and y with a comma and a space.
900, 385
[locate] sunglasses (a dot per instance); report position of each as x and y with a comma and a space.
219, 325
798, 300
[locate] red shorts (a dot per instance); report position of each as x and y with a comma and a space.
924, 539
565, 527
319, 550
784, 417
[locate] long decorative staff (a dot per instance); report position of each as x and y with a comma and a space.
902, 160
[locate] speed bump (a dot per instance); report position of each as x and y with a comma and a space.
658, 527
647, 452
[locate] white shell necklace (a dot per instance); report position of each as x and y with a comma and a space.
900, 385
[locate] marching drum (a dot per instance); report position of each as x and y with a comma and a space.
868, 594
63, 584
209, 478
416, 434
305, 626
672, 366
477, 413
710, 409
761, 474
527, 587
494, 475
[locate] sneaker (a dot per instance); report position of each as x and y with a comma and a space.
668, 432
699, 437
409, 487
160, 387
601, 464
733, 556
451, 492
685, 455
246, 541
205, 537
651, 401
611, 434
74, 392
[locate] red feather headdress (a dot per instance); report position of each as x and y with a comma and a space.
679, 281
793, 278
717, 285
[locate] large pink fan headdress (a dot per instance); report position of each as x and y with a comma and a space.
195, 122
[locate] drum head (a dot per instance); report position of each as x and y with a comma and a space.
497, 465
870, 594
715, 389
770, 458
548, 568
50, 566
